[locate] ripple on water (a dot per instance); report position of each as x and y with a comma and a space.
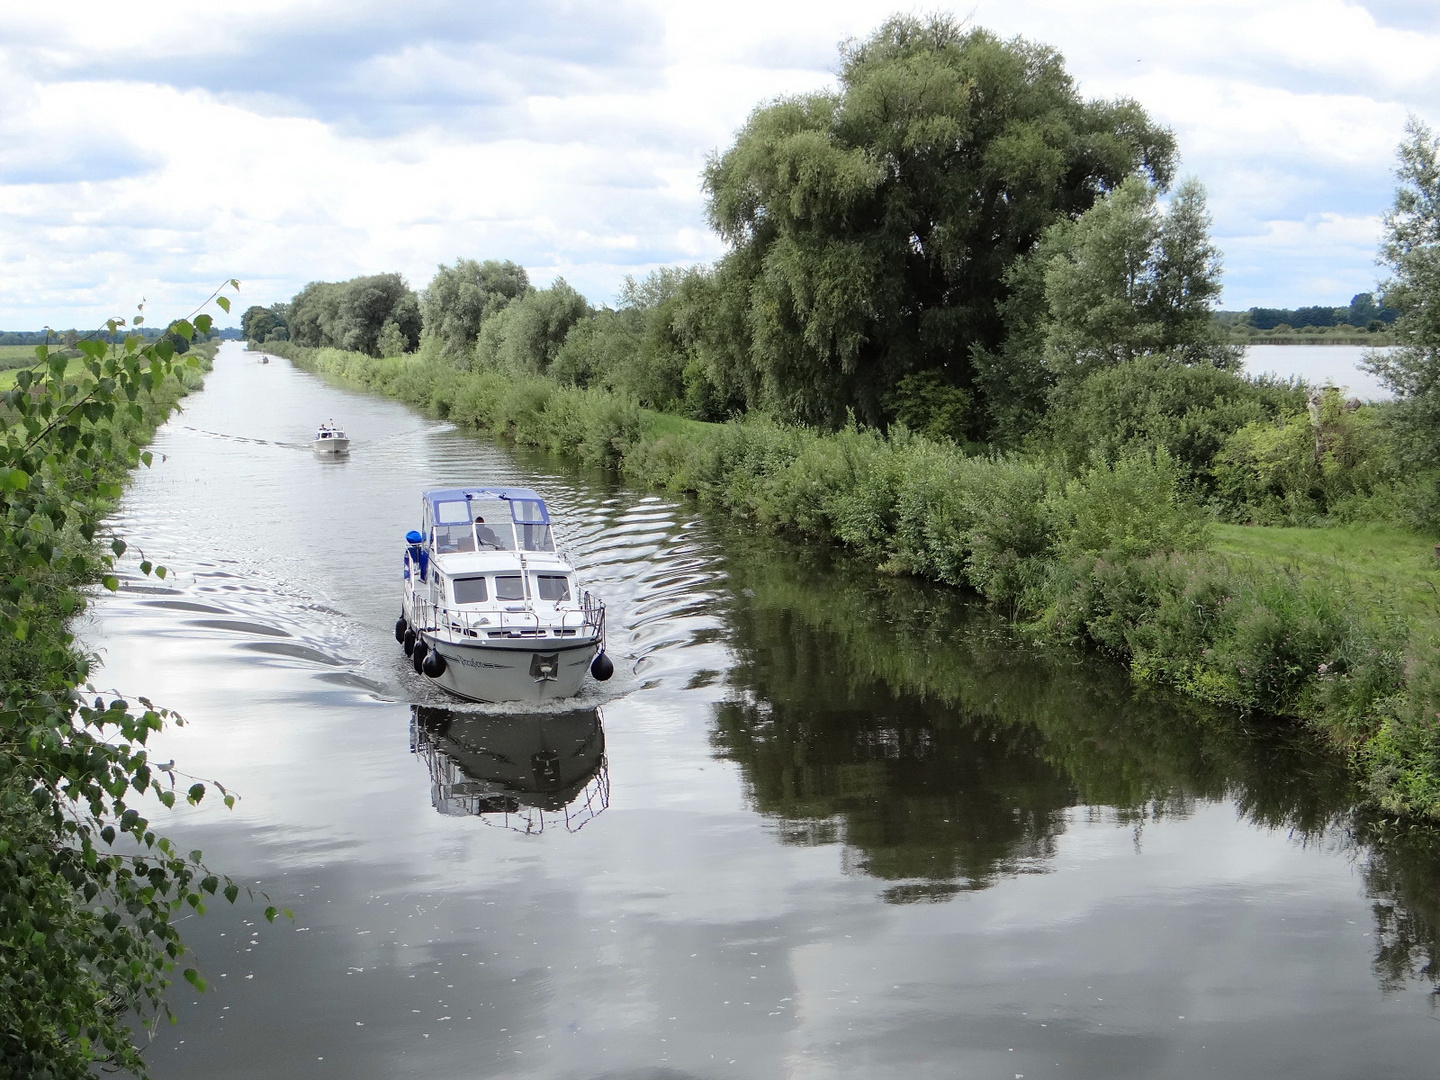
311, 555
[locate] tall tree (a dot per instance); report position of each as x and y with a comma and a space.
525, 336
313, 312
1411, 250
460, 298
873, 225
261, 324
1129, 280
352, 314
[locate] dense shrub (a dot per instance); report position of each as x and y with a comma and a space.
1330, 460
1133, 508
1404, 755
1156, 401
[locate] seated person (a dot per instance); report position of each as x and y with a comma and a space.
485, 534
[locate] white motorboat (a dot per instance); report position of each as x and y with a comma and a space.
330, 439
491, 611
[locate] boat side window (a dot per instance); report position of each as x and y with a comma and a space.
469, 590
509, 587
452, 512
552, 586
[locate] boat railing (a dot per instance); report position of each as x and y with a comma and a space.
459, 625
594, 610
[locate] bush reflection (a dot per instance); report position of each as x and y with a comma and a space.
945, 752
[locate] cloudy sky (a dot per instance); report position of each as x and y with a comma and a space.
152, 149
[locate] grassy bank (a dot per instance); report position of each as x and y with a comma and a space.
1116, 560
1392, 565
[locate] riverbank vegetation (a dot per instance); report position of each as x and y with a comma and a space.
965, 328
90, 892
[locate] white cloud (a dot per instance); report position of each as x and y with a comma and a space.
155, 152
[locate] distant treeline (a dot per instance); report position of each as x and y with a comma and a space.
17, 346
1363, 313
378, 315
71, 336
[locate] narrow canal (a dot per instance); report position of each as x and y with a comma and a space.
822, 823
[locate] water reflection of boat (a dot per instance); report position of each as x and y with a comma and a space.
523, 771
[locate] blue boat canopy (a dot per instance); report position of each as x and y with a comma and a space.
471, 519
526, 506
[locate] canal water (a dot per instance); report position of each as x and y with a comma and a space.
822, 822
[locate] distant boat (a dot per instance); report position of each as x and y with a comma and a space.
264, 359
330, 440
490, 609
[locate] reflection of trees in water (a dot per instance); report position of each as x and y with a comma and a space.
912, 726
1402, 875
518, 770
931, 805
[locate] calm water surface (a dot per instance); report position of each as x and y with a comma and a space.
820, 824
1319, 364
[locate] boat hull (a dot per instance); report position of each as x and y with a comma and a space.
332, 446
508, 672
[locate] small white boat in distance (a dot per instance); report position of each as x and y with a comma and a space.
490, 609
330, 439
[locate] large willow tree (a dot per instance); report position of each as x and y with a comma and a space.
871, 227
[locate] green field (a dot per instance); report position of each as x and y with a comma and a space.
1396, 566
12, 356
662, 424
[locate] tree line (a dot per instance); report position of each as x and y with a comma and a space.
952, 240
930, 242
1363, 312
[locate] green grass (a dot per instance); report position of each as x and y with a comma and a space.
16, 356
658, 425
1397, 566
13, 357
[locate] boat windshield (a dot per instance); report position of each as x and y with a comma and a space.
486, 522
492, 524
532, 525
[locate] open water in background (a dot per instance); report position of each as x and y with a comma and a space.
1319, 364
822, 823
